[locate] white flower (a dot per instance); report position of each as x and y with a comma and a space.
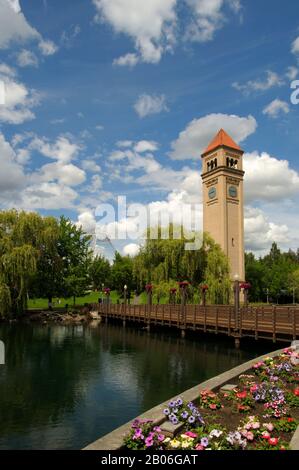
215, 433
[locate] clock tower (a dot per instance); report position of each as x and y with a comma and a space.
223, 215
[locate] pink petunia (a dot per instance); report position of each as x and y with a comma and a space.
190, 434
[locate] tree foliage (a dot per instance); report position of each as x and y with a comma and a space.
22, 239
40, 256
99, 272
273, 276
164, 262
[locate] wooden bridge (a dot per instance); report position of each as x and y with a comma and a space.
277, 323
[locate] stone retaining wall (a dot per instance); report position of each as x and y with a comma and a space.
114, 440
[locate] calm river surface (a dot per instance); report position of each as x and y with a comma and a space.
62, 387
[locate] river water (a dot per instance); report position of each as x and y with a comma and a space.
63, 387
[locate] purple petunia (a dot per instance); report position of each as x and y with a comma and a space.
191, 419
166, 411
149, 441
204, 442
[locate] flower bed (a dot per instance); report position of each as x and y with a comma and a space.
260, 413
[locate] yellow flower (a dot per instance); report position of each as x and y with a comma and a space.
175, 444
186, 444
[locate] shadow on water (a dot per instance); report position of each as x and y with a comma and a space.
65, 386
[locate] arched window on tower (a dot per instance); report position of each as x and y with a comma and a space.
215, 162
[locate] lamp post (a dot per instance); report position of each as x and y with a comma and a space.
204, 289
102, 292
267, 293
172, 294
125, 293
294, 295
245, 286
237, 300
149, 291
183, 288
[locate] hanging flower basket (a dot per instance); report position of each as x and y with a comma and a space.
184, 284
204, 287
245, 285
149, 287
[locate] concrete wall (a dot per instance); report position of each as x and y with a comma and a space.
114, 440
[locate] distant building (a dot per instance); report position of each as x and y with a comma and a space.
223, 213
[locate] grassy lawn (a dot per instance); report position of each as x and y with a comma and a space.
89, 298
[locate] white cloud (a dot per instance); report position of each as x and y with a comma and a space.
268, 179
18, 99
295, 46
154, 25
128, 60
27, 58
65, 174
132, 249
199, 132
292, 73
13, 24
87, 221
149, 23
12, 177
99, 127
62, 149
6, 70
150, 104
208, 16
47, 47
272, 80
90, 165
96, 184
15, 28
124, 143
276, 107
260, 233
48, 196
67, 37
145, 146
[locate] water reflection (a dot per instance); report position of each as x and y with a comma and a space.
65, 386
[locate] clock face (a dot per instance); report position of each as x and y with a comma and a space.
232, 191
212, 193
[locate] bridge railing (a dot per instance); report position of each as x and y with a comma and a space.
256, 321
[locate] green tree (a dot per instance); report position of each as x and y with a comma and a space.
74, 251
99, 272
122, 273
294, 284
217, 273
23, 237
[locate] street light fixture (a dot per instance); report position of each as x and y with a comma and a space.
125, 293
237, 299
102, 292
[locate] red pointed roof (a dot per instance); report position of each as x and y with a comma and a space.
222, 139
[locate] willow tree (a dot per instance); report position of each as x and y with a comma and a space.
23, 236
166, 259
217, 272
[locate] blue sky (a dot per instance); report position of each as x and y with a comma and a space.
119, 97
